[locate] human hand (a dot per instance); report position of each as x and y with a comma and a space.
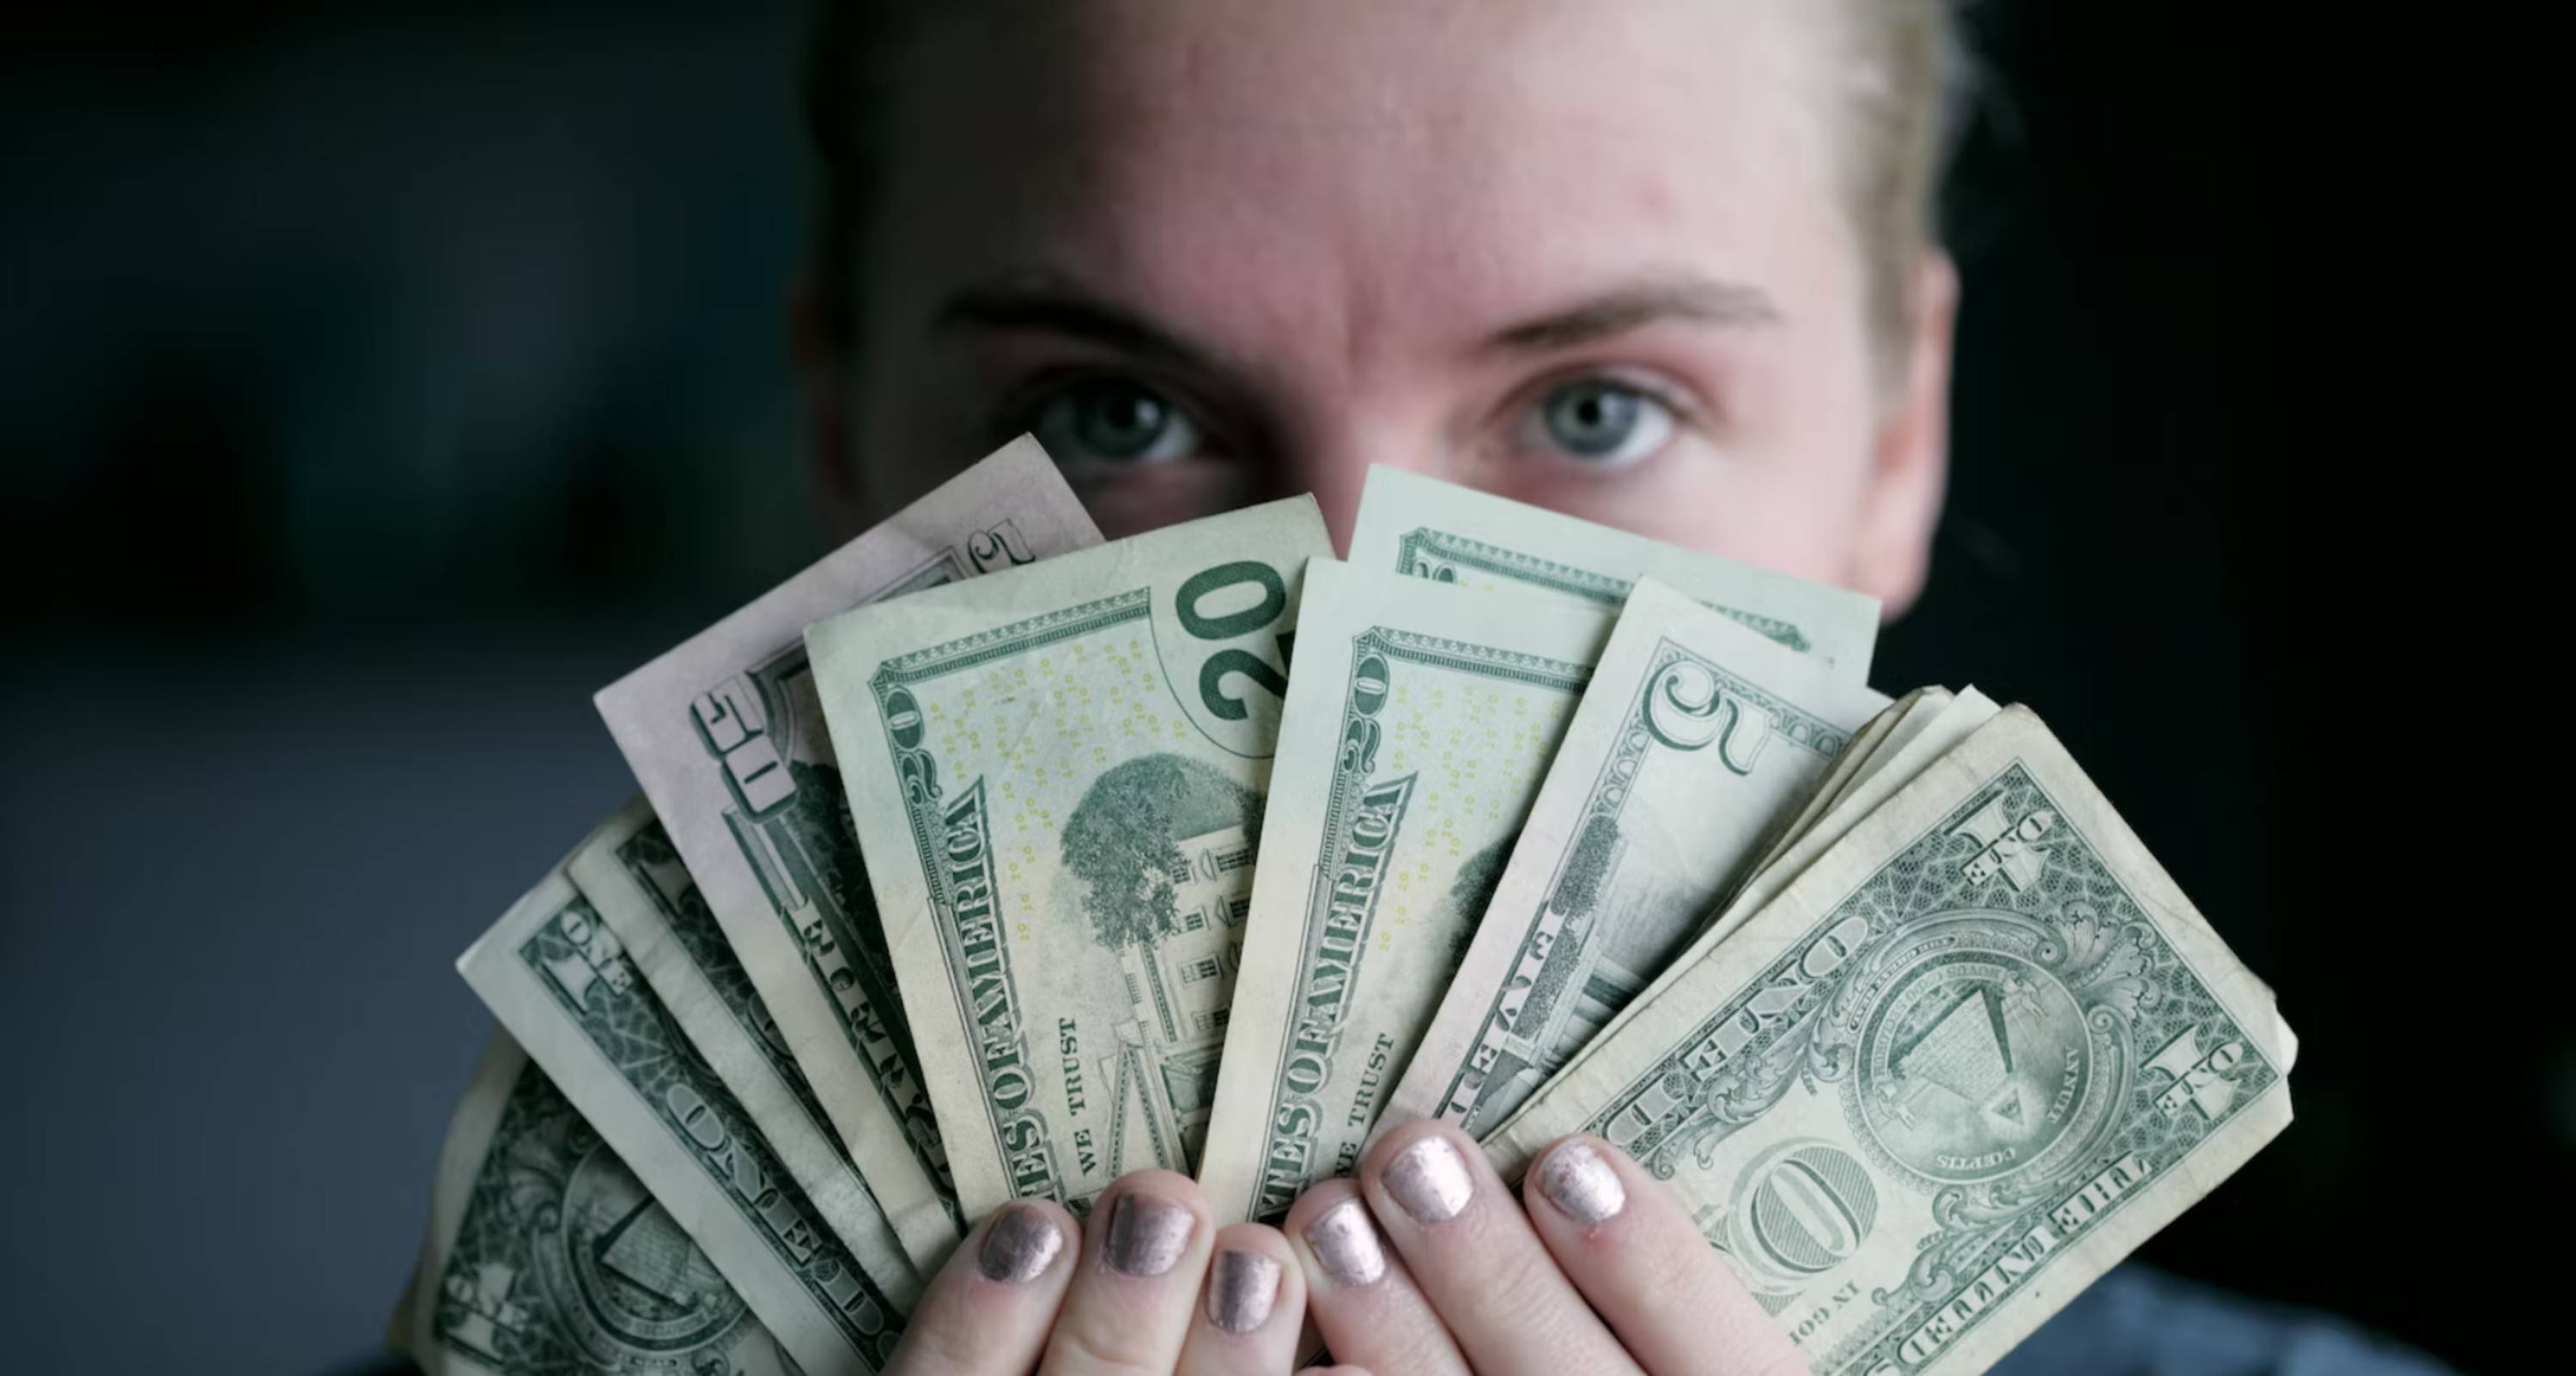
1426, 1265
1150, 1286
1594, 1268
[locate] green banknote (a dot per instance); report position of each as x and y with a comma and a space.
1426, 528
728, 741
1964, 1062
547, 1257
1419, 723
1866, 753
1932, 723
1057, 777
1696, 737
633, 877
559, 980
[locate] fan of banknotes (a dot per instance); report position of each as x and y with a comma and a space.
984, 859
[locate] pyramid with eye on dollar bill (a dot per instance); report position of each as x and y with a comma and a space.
984, 859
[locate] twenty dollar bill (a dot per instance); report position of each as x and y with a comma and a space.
1057, 776
1419, 724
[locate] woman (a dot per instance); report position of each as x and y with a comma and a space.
1665, 264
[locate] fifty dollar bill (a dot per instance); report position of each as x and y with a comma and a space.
1967, 1060
725, 735
1057, 776
1419, 723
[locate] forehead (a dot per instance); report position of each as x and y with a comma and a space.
1398, 157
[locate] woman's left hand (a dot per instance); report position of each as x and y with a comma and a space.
1426, 1265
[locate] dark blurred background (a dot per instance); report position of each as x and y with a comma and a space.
374, 387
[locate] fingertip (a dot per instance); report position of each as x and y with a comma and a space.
1336, 1238
1581, 1179
1319, 1199
1641, 1262
1021, 1241
991, 1304
1252, 1278
1258, 1238
1358, 1295
1151, 1222
1396, 1140
1170, 1186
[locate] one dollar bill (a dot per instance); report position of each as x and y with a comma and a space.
1425, 528
633, 877
728, 741
1057, 777
1419, 724
559, 980
1932, 723
1695, 737
547, 1257
1960, 1066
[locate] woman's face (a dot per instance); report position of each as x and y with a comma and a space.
1585, 255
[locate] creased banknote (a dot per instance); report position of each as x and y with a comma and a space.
725, 735
633, 877
1057, 776
1421, 526
1695, 738
1419, 723
1963, 1063
559, 980
547, 1257
1934, 724
1894, 724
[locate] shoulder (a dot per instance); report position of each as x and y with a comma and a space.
2137, 1321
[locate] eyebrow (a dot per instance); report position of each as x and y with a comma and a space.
1051, 305
1696, 300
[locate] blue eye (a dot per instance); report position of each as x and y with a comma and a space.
1599, 421
1114, 421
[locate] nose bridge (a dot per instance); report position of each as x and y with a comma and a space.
1331, 454
1355, 379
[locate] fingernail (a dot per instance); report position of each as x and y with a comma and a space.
1020, 1245
1430, 1181
1345, 1241
1242, 1290
1575, 1178
1148, 1234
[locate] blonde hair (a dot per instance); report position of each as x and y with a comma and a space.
1906, 90
1905, 84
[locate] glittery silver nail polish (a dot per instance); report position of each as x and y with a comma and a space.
1575, 1178
1147, 1234
1430, 1181
1020, 1245
1242, 1287
1345, 1241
